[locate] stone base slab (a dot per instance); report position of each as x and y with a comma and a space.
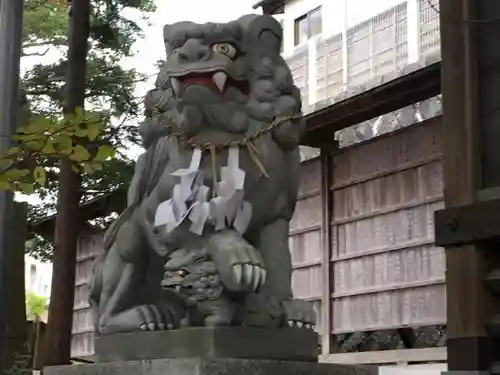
292, 344
195, 366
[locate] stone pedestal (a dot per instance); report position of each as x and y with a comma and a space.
292, 344
210, 351
197, 366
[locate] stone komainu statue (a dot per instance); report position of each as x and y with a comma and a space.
219, 176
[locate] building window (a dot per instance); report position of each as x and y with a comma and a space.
307, 26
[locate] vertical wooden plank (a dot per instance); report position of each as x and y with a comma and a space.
468, 304
327, 346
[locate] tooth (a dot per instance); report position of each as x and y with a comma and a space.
238, 273
220, 79
175, 85
248, 273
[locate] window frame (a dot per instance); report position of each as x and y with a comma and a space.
306, 18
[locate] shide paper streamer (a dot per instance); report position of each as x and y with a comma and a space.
189, 198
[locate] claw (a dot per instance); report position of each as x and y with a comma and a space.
307, 326
170, 326
257, 278
144, 327
290, 323
300, 324
151, 326
248, 273
238, 273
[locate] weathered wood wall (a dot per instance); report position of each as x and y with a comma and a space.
89, 246
386, 273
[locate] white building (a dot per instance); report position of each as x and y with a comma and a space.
38, 276
332, 45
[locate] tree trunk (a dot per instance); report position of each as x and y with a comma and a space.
59, 327
19, 354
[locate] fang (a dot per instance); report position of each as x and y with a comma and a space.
220, 79
175, 85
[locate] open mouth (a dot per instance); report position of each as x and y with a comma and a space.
216, 81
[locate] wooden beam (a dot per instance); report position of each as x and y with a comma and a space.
396, 94
468, 304
468, 224
387, 357
115, 201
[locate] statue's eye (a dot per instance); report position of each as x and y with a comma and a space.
182, 273
226, 49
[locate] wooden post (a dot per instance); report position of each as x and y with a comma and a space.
469, 305
326, 159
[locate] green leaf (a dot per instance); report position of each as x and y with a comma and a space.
81, 132
34, 145
103, 153
79, 154
14, 150
48, 148
93, 130
25, 188
39, 175
15, 174
5, 185
64, 144
88, 168
92, 167
5, 163
79, 112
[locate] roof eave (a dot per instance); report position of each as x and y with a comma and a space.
270, 6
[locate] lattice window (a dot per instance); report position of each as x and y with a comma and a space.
359, 53
377, 46
299, 66
401, 31
329, 68
429, 27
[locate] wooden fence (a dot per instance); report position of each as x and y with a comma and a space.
380, 270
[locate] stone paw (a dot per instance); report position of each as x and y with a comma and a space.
239, 264
299, 314
140, 318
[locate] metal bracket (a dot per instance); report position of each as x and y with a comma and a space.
467, 224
